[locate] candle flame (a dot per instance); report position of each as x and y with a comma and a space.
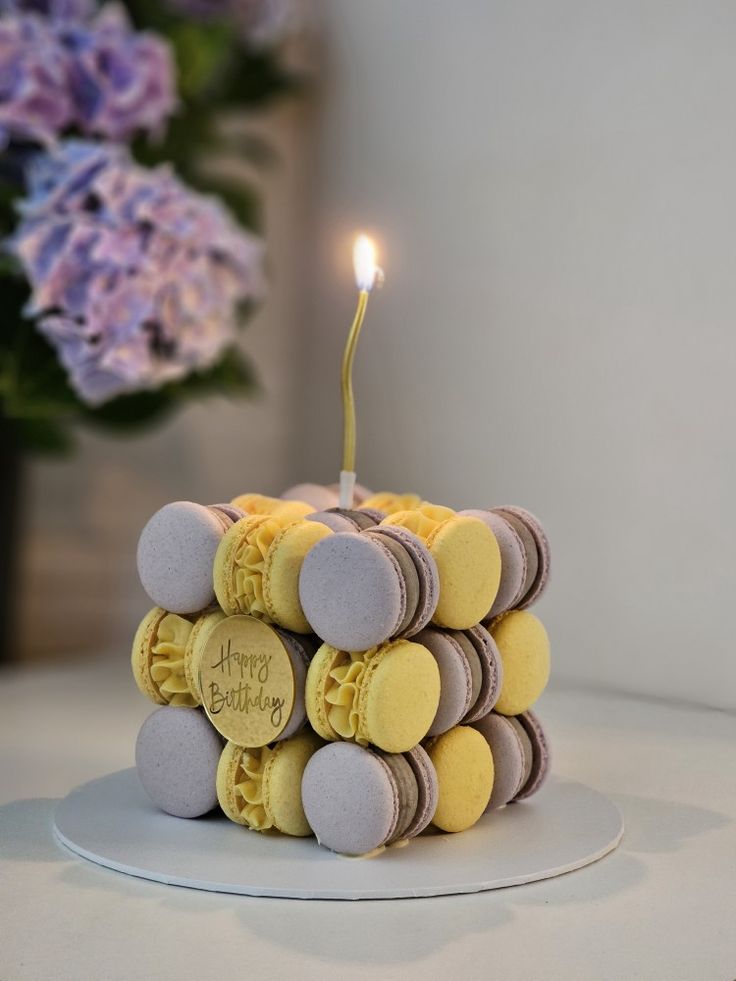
364, 263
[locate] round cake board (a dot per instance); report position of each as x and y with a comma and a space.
112, 822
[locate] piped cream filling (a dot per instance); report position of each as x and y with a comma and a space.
342, 693
249, 565
167, 660
249, 788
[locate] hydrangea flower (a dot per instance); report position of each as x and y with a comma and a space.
53, 9
120, 81
96, 74
35, 101
135, 279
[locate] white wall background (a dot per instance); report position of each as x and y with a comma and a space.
553, 187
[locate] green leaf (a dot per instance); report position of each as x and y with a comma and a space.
45, 436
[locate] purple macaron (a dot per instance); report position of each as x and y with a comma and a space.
357, 800
521, 757
358, 590
176, 755
536, 545
343, 519
471, 674
176, 551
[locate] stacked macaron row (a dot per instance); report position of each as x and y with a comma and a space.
410, 658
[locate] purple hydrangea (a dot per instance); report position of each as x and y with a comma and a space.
35, 101
120, 81
135, 279
53, 9
96, 74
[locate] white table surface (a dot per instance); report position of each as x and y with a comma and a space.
661, 908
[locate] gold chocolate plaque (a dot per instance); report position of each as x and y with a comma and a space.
247, 681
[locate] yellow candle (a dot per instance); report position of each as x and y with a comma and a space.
367, 274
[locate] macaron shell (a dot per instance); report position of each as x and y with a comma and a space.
427, 573
491, 668
176, 754
541, 756
229, 512
334, 519
140, 655
314, 694
195, 647
350, 798
469, 566
524, 647
409, 576
352, 592
534, 526
513, 561
427, 788
300, 663
175, 554
316, 495
282, 569
408, 793
399, 695
455, 678
507, 750
282, 783
464, 768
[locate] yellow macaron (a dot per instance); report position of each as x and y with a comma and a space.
257, 566
165, 653
387, 696
468, 561
464, 766
390, 503
524, 647
262, 504
262, 788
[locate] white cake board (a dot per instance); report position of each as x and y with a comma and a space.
112, 822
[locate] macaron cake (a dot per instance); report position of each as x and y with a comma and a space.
176, 550
520, 756
464, 765
257, 566
262, 788
357, 590
164, 654
515, 566
358, 800
387, 696
468, 561
524, 647
471, 674
176, 755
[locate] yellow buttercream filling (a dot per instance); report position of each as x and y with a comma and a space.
249, 788
167, 660
249, 561
422, 520
342, 692
390, 503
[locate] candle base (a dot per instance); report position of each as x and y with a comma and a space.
347, 488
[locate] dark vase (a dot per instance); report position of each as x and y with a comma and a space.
11, 459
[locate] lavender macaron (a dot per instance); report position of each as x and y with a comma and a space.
471, 674
520, 753
176, 755
358, 590
357, 800
176, 551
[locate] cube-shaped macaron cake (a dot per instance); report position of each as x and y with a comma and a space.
357, 674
